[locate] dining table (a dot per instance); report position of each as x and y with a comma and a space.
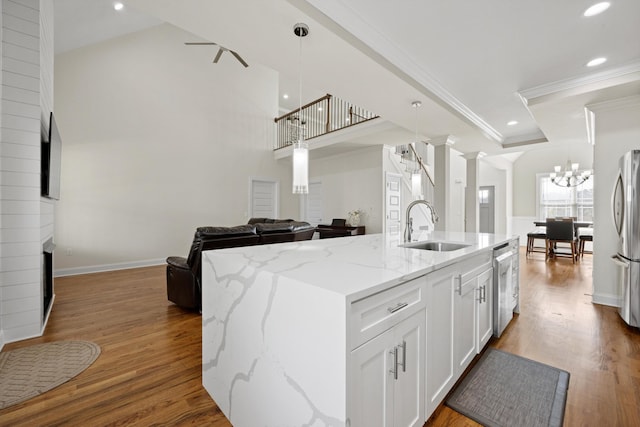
576, 224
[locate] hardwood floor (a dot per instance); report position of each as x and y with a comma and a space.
558, 325
149, 371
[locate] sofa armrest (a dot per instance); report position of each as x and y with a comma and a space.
178, 262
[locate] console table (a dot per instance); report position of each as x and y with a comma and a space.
329, 231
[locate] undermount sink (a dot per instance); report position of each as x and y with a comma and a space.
436, 246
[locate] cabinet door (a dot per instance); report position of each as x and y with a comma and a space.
372, 382
408, 400
485, 309
465, 304
440, 371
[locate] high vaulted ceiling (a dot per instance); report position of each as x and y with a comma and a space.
474, 65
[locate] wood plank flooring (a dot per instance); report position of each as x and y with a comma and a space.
149, 372
558, 325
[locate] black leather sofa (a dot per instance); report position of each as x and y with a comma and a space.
184, 274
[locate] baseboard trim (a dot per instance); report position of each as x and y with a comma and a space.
106, 267
606, 299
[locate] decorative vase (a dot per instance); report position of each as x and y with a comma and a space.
354, 220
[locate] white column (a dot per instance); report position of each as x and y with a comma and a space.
471, 208
442, 178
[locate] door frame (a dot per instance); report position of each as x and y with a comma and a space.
276, 194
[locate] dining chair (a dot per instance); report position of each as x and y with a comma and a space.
539, 233
585, 234
561, 231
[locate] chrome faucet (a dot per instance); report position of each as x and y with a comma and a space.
409, 222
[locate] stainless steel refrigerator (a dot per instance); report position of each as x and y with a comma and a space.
626, 217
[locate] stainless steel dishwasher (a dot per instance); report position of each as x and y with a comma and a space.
506, 286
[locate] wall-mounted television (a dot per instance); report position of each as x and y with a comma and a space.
51, 159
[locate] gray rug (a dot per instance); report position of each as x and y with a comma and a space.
30, 371
503, 389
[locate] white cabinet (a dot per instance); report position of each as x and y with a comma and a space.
387, 377
440, 375
459, 322
465, 309
485, 309
473, 308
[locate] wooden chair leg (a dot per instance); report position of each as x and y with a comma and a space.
547, 251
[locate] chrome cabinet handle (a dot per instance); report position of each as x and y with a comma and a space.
394, 371
398, 306
484, 293
404, 356
459, 284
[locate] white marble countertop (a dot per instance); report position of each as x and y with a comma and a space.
357, 266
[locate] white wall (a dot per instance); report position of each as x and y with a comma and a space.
157, 141
351, 181
498, 171
492, 176
542, 160
617, 130
525, 169
25, 218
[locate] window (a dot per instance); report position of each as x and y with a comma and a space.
555, 201
483, 197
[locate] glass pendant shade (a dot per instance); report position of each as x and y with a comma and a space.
300, 167
416, 185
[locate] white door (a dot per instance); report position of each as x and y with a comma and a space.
264, 198
311, 204
393, 204
486, 205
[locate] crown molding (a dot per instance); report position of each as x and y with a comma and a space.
448, 140
527, 139
583, 84
341, 19
476, 155
614, 104
591, 110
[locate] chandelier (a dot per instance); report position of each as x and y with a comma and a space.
570, 177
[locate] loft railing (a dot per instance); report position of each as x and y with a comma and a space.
320, 117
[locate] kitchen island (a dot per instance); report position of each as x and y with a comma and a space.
347, 331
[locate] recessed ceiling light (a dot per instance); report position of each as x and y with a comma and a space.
512, 123
596, 61
597, 8
118, 6
285, 96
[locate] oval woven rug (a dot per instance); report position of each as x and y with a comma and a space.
30, 371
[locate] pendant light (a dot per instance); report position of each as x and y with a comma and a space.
300, 147
416, 173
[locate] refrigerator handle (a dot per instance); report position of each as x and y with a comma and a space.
618, 203
619, 261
